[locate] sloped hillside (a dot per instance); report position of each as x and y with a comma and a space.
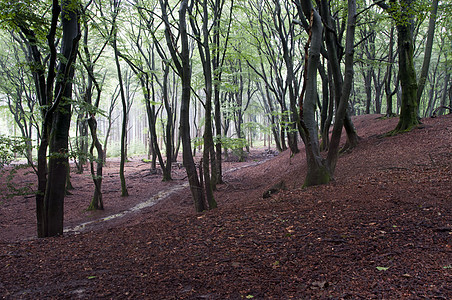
381, 230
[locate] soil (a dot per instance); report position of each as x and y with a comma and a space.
381, 230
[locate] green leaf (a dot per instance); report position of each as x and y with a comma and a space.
91, 277
382, 268
249, 297
447, 267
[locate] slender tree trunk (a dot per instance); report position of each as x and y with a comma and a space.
204, 51
333, 152
42, 182
324, 126
182, 63
388, 77
124, 192
428, 50
169, 129
352, 136
368, 89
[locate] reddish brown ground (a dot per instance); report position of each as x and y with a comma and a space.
381, 230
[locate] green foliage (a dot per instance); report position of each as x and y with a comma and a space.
232, 143
285, 120
12, 187
11, 147
25, 13
226, 142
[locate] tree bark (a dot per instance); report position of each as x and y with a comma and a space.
407, 72
428, 51
333, 58
59, 134
183, 66
204, 51
124, 191
401, 13
317, 173
333, 152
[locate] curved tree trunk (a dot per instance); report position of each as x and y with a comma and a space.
96, 201
333, 152
317, 173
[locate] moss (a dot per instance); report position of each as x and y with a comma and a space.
319, 176
402, 129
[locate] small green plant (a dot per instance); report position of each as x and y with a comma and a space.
11, 147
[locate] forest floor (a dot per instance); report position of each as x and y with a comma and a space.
381, 230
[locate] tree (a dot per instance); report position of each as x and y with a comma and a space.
54, 91
61, 120
402, 13
333, 37
219, 50
115, 9
203, 40
428, 50
145, 69
89, 61
320, 171
16, 84
181, 61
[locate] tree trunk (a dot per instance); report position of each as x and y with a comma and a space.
368, 89
169, 130
124, 192
428, 51
59, 134
182, 64
388, 77
352, 136
407, 72
204, 51
404, 18
333, 152
42, 182
317, 172
96, 201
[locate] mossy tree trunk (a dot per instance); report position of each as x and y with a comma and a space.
407, 73
401, 12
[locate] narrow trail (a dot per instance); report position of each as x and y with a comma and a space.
160, 196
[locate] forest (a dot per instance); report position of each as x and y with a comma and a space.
207, 104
